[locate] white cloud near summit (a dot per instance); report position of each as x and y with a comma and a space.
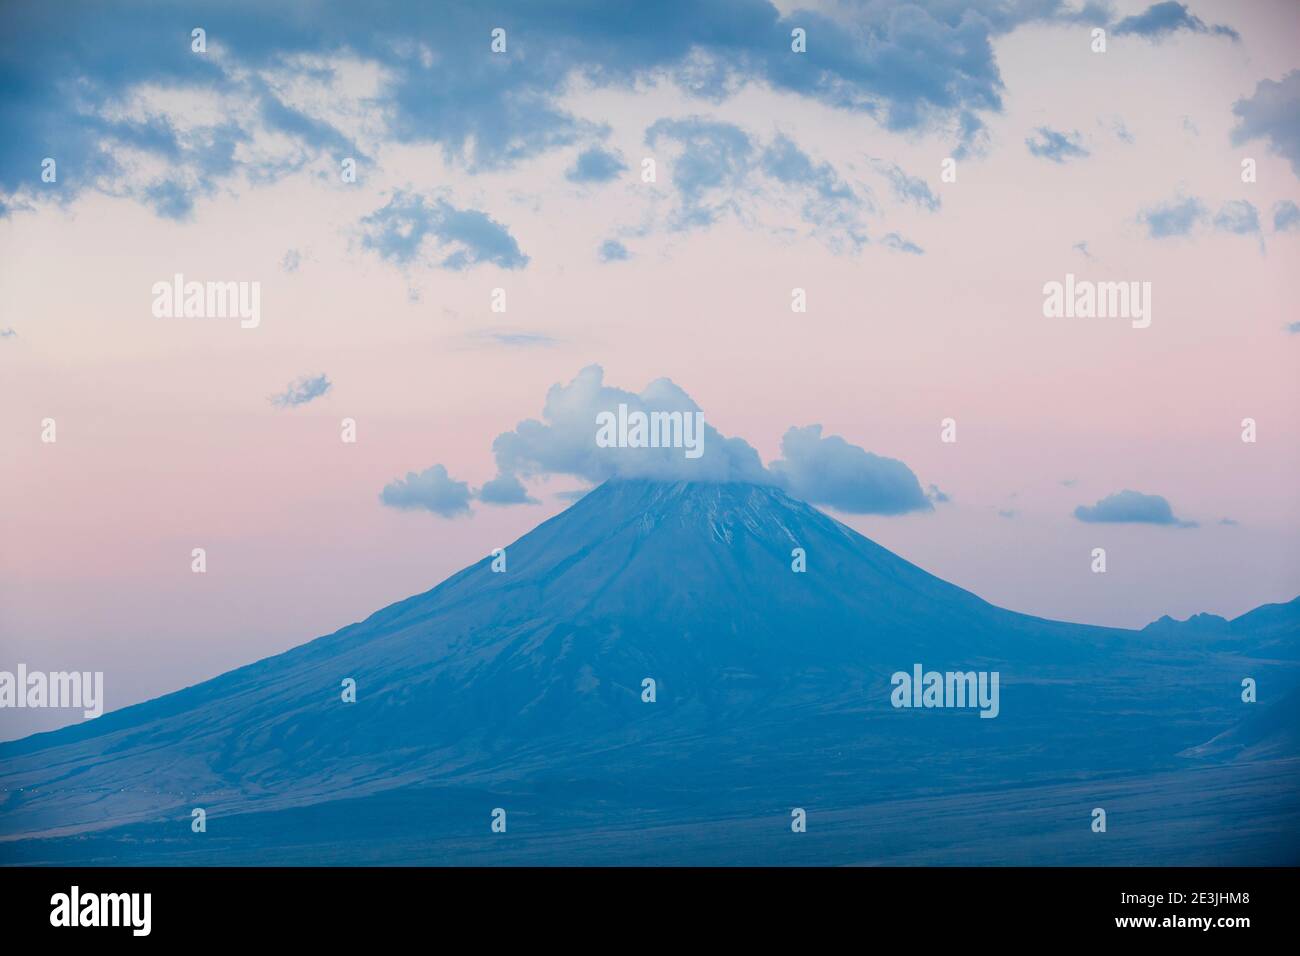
820, 469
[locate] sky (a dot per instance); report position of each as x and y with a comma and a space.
516, 178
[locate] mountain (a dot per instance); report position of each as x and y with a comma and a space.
772, 689
1268, 630
1196, 624
1271, 729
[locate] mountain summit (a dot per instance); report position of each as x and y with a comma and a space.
767, 681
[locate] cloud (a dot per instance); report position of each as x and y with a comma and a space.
934, 494
8, 334
1176, 217
896, 242
830, 471
1007, 512
430, 490
1294, 328
785, 162
285, 77
1117, 126
719, 169
611, 250
822, 470
170, 199
1286, 216
1272, 114
563, 442
1131, 507
516, 339
505, 490
302, 391
826, 201
1160, 20
911, 189
291, 261
464, 237
714, 157
1081, 247
1058, 147
1238, 217
595, 165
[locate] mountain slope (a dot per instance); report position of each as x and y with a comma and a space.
765, 678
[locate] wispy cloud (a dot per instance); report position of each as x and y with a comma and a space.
896, 242
1056, 146
719, 169
514, 339
1238, 217
1286, 216
302, 391
910, 189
